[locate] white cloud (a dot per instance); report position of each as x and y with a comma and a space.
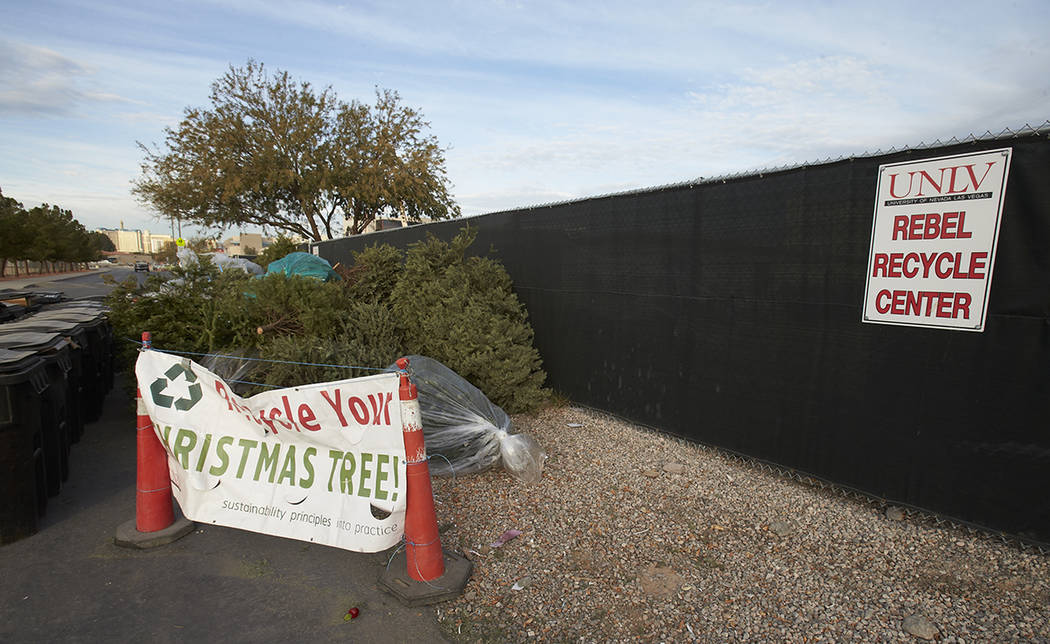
36, 80
556, 34
158, 119
540, 101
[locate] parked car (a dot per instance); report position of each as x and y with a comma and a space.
141, 267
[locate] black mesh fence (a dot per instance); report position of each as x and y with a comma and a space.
729, 312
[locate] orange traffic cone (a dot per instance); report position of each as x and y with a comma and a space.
153, 506
155, 522
425, 559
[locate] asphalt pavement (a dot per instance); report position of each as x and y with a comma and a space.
73, 285
70, 583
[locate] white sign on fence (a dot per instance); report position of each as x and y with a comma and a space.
933, 240
306, 462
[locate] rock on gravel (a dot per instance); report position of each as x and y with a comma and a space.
782, 528
674, 468
920, 627
659, 582
598, 529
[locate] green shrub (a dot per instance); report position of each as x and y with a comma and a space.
374, 274
364, 337
193, 312
458, 310
275, 251
462, 312
280, 304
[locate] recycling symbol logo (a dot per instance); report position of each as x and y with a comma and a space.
161, 399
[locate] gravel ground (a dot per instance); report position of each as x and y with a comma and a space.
637, 536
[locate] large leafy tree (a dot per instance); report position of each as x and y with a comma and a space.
273, 151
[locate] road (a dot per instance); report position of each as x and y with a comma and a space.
75, 285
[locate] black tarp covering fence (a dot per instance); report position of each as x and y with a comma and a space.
729, 312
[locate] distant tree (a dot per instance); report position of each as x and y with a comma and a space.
13, 233
167, 253
272, 151
201, 244
45, 234
43, 224
78, 248
101, 242
53, 238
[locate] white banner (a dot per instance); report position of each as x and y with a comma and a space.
933, 240
306, 462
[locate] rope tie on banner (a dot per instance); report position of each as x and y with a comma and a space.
420, 545
451, 468
304, 364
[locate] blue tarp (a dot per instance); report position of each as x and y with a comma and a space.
305, 264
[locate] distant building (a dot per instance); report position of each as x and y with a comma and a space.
135, 241
246, 244
388, 223
156, 242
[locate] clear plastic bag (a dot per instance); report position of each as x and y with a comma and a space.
523, 457
464, 431
186, 257
233, 367
225, 262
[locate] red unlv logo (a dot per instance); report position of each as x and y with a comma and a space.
952, 180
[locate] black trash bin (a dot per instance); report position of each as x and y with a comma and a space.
84, 376
98, 346
23, 476
54, 350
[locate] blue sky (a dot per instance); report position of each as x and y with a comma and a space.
537, 101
